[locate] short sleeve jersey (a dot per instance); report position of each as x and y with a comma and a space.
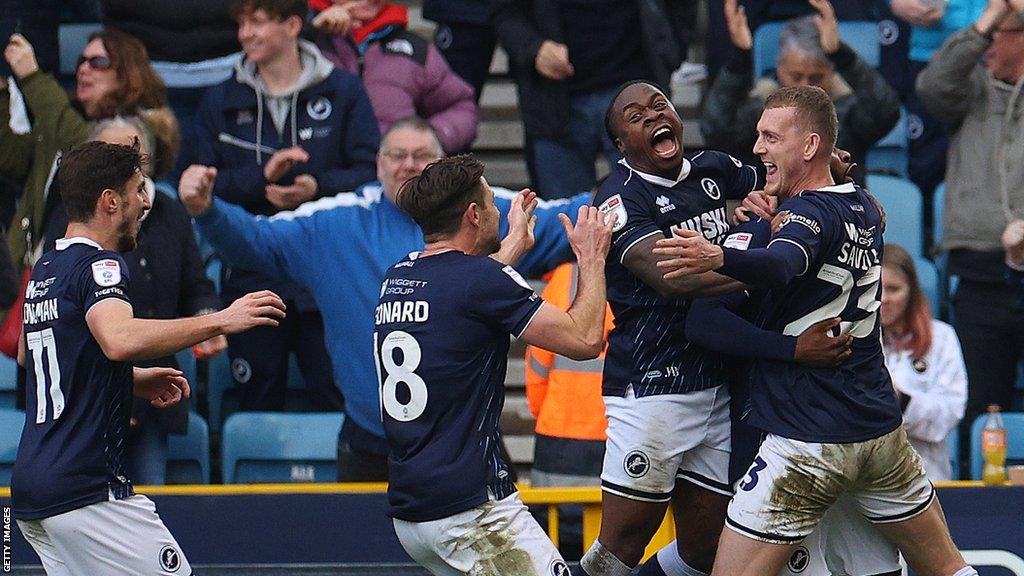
839, 232
441, 342
78, 402
648, 349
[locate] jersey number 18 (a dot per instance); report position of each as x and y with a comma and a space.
400, 373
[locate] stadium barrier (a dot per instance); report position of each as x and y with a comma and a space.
272, 524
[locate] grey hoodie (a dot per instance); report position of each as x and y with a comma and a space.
315, 69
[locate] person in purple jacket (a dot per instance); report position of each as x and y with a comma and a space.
404, 74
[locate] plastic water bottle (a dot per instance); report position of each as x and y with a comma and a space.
993, 448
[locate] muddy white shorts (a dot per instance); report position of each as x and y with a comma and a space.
655, 439
497, 537
843, 544
111, 538
791, 484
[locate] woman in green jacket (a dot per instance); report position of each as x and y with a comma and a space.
113, 78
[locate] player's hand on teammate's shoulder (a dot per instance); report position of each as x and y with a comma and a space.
263, 308
195, 188
818, 348
591, 236
162, 387
687, 252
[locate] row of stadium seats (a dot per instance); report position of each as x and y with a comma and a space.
255, 447
288, 447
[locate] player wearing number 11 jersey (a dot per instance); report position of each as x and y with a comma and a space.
441, 340
69, 489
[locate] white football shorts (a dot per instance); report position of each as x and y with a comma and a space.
791, 484
655, 439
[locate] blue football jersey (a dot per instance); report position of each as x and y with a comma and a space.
78, 402
441, 341
648, 348
839, 231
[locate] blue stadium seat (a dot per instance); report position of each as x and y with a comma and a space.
904, 211
891, 154
928, 278
953, 441
11, 423
281, 447
1014, 423
8, 382
187, 364
220, 385
938, 208
72, 39
188, 456
861, 37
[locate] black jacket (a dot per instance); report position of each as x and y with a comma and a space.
166, 280
523, 25
179, 31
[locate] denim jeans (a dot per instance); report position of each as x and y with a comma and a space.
564, 169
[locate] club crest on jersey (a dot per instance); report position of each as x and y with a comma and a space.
319, 109
799, 560
710, 188
170, 560
559, 568
615, 206
636, 464
106, 272
665, 204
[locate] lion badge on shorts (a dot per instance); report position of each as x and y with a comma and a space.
799, 560
559, 568
170, 560
636, 464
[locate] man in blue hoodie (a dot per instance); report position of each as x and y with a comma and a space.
286, 128
339, 248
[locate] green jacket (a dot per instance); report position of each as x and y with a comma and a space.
30, 158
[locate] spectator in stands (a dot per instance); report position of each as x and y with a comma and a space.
931, 24
923, 356
193, 45
981, 103
568, 59
565, 397
1013, 246
339, 248
465, 37
404, 74
113, 77
810, 53
286, 129
167, 281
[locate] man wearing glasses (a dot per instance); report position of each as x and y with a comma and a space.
973, 84
339, 249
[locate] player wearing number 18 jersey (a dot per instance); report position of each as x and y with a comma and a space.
441, 341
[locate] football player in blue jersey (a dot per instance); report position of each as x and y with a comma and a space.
668, 413
831, 431
69, 490
441, 346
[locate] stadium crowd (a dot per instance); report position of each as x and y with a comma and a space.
279, 133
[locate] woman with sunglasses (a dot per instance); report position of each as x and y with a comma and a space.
113, 78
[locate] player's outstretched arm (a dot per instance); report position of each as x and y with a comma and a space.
643, 261
688, 253
124, 337
579, 332
162, 387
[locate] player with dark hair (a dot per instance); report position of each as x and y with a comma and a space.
831, 431
69, 491
668, 415
441, 344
